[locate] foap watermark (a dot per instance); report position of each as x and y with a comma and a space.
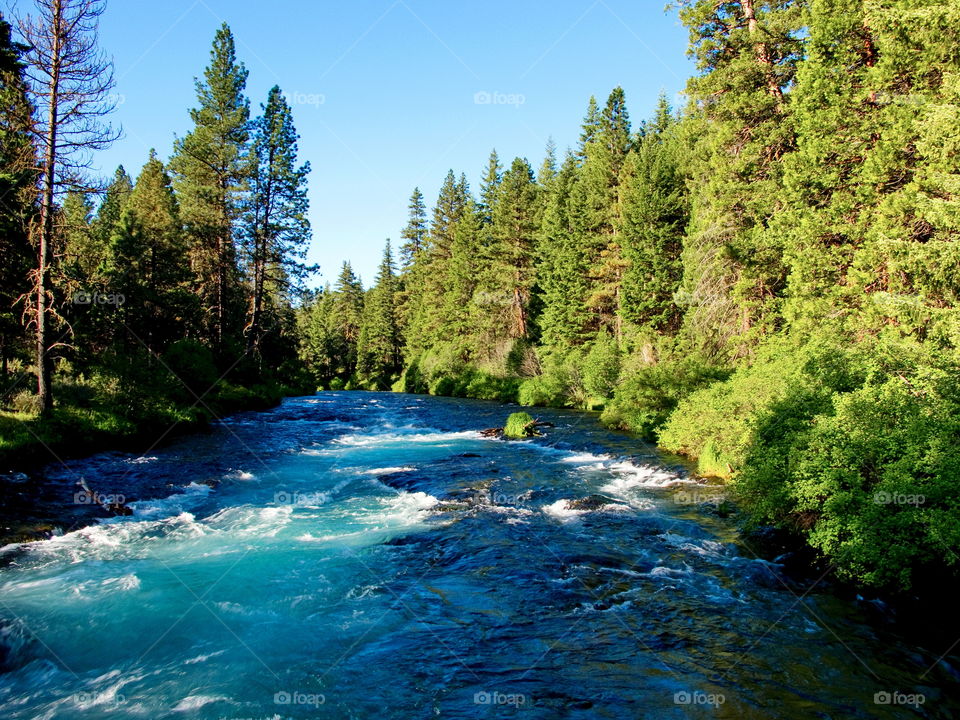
485, 97
490, 497
85, 297
84, 497
287, 497
495, 697
696, 697
296, 697
304, 98
895, 498
94, 699
896, 697
116, 99
698, 497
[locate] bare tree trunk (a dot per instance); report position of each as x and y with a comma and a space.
69, 82
44, 390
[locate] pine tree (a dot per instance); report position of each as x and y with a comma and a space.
349, 292
155, 231
511, 258
604, 156
747, 54
69, 84
548, 168
277, 233
462, 309
654, 214
210, 177
426, 282
379, 357
414, 235
561, 264
492, 177
589, 128
17, 182
108, 214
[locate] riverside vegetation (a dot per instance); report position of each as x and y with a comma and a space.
765, 280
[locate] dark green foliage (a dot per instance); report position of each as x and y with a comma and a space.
211, 174
379, 358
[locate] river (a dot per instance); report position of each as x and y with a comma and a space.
370, 555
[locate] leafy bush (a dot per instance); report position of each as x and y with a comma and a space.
645, 398
516, 426
601, 367
193, 363
717, 422
871, 482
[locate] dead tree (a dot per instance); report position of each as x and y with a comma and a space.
70, 82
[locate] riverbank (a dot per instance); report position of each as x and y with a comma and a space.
81, 427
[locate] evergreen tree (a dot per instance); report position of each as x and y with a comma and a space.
654, 214
379, 358
211, 179
348, 305
153, 233
17, 182
589, 128
414, 235
108, 214
746, 53
277, 232
492, 177
604, 156
511, 258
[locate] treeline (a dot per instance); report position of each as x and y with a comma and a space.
766, 281
156, 299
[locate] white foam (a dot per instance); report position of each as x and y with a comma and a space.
562, 511
203, 658
195, 702
173, 504
585, 457
246, 520
122, 583
142, 460
415, 437
387, 470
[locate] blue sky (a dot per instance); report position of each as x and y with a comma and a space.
385, 91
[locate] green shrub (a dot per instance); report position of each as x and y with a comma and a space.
646, 397
721, 417
516, 426
337, 383
193, 364
601, 366
870, 481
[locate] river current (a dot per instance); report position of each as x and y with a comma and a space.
371, 555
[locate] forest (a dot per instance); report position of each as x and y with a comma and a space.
764, 280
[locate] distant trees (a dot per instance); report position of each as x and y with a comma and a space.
202, 260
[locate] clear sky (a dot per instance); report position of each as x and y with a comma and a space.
385, 92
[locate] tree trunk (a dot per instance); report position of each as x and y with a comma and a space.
762, 52
44, 391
